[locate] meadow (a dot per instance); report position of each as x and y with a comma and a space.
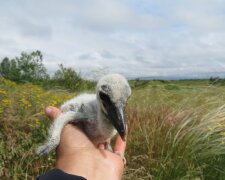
176, 130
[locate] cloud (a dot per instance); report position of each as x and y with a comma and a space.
29, 29
201, 16
135, 38
112, 15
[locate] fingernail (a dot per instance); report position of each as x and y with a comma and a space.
48, 110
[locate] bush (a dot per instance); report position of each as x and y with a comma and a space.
171, 87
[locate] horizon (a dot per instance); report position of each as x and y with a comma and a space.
96, 74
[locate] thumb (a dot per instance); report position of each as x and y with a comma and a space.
120, 145
52, 112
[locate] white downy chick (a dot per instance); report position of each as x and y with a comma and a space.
101, 114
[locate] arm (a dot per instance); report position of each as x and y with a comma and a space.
87, 160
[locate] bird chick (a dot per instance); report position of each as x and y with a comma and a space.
101, 115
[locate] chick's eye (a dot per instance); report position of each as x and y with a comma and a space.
104, 97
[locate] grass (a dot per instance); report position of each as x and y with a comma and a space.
176, 130
176, 133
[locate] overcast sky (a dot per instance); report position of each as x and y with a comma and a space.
133, 37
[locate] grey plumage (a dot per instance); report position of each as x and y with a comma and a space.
101, 114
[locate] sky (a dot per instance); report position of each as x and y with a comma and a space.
137, 38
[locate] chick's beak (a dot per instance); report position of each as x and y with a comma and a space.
117, 117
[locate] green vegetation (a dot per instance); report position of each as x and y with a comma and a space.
29, 67
176, 133
176, 128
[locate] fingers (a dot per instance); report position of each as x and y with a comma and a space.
120, 146
52, 112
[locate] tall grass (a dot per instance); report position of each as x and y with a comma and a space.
177, 140
176, 131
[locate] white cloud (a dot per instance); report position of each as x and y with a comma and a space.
111, 15
136, 38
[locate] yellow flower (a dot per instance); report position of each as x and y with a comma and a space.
6, 102
3, 92
37, 121
7, 82
25, 104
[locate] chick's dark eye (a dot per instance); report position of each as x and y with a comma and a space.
104, 97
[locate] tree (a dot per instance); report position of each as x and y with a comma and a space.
14, 73
67, 77
5, 67
215, 80
30, 66
27, 67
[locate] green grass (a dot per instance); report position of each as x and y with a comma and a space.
176, 130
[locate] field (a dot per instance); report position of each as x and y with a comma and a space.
176, 130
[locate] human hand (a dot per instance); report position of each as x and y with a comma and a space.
77, 155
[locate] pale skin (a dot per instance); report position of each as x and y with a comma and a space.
77, 155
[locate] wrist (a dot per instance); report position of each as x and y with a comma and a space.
90, 163
79, 162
